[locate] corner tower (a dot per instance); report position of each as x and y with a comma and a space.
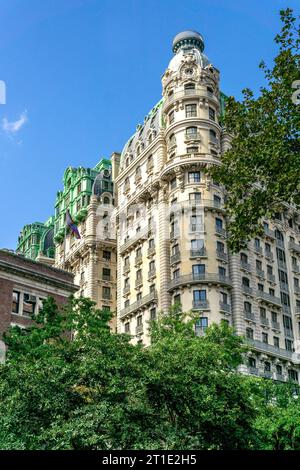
171, 232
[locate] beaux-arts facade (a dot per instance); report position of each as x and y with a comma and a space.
164, 223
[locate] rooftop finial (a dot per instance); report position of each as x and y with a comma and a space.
188, 38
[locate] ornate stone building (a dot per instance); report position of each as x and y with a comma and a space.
89, 196
172, 227
36, 241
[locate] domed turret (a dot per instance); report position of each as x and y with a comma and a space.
188, 42
188, 39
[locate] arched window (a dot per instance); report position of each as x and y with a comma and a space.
189, 88
106, 200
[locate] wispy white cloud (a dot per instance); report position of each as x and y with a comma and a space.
12, 127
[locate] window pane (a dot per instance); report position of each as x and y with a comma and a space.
16, 302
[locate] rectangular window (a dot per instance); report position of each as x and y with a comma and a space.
201, 325
252, 362
195, 197
222, 271
194, 177
199, 295
176, 273
106, 274
249, 333
190, 110
173, 183
196, 223
151, 243
127, 327
219, 223
212, 114
16, 302
106, 255
193, 149
152, 289
198, 271
264, 338
152, 314
197, 245
139, 320
276, 341
274, 316
106, 292
263, 312
171, 117
29, 303
212, 136
220, 247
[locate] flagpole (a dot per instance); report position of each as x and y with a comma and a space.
65, 239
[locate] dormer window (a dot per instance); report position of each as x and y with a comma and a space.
189, 88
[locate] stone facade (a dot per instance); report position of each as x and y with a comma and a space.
171, 224
23, 285
36, 241
92, 258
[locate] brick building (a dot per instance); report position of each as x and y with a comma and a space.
24, 283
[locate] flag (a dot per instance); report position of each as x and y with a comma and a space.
70, 223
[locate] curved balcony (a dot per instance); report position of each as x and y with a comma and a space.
273, 350
200, 253
139, 304
135, 240
268, 298
295, 247
203, 278
189, 93
189, 204
200, 305
175, 258
225, 307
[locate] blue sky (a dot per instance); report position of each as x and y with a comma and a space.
81, 74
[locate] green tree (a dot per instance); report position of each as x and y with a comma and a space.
278, 422
98, 391
261, 170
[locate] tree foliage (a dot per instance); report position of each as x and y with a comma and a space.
99, 391
261, 170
